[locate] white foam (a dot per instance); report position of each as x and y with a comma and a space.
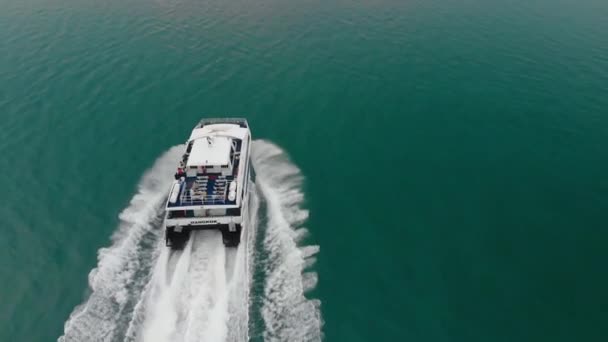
111, 282
162, 315
288, 315
202, 293
192, 304
240, 281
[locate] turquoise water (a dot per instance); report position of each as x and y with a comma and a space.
452, 154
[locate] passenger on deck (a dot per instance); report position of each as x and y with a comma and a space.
180, 173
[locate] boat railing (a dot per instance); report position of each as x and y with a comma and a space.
189, 199
237, 121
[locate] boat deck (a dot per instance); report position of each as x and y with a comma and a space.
204, 190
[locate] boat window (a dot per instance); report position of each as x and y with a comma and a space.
176, 214
180, 213
233, 211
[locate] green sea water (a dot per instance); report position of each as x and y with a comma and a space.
453, 154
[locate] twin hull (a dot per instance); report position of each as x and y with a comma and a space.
178, 230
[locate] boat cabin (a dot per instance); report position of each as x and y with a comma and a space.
209, 173
211, 155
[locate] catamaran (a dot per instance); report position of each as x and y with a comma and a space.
210, 187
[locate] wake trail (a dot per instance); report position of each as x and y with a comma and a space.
117, 281
288, 315
239, 300
200, 293
143, 291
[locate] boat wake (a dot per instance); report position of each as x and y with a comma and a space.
142, 291
288, 315
117, 281
193, 294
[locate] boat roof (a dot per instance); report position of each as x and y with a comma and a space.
227, 130
209, 151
